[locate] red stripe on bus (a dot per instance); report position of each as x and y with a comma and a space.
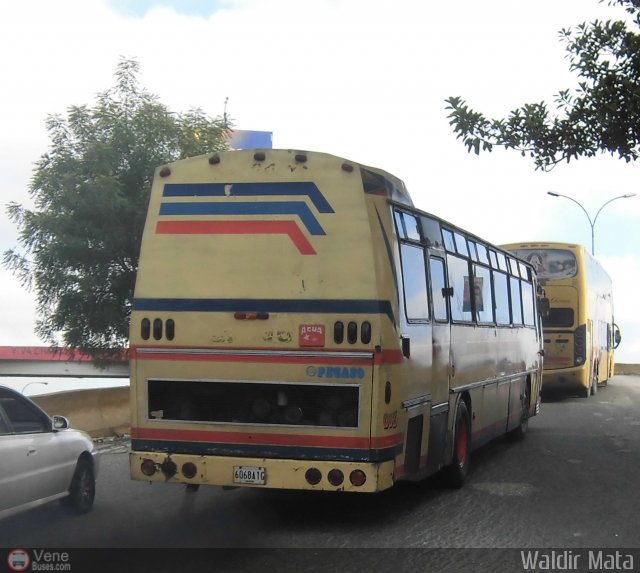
253, 358
206, 436
190, 227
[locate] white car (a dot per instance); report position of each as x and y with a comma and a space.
42, 459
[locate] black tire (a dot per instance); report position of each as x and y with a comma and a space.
456, 472
521, 431
594, 382
82, 490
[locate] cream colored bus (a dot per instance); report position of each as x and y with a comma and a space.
298, 323
580, 334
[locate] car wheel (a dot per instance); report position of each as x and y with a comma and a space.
82, 490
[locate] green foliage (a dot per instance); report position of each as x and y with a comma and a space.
80, 243
601, 115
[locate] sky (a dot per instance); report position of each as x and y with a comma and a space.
362, 79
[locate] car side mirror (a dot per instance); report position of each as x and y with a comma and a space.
60, 423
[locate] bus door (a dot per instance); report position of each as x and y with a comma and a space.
416, 347
440, 363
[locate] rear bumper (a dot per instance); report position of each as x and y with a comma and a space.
279, 473
565, 379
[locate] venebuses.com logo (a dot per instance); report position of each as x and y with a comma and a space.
38, 560
18, 560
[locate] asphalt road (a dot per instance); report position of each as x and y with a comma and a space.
573, 483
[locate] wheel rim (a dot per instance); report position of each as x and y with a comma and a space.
84, 486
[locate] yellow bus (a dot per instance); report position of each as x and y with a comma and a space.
580, 334
297, 323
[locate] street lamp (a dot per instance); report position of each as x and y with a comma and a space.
29, 384
591, 222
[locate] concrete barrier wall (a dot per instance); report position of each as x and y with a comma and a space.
627, 369
100, 412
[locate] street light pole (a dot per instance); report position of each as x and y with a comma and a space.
592, 223
29, 384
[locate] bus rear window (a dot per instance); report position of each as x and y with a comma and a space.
550, 263
559, 317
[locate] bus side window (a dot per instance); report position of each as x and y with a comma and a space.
438, 284
414, 279
473, 253
459, 281
431, 232
400, 225
449, 243
501, 289
527, 304
461, 245
482, 294
516, 301
412, 226
483, 254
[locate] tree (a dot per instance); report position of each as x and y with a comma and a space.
80, 244
601, 115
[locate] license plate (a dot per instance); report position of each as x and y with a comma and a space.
249, 475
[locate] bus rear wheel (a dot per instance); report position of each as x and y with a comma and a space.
594, 382
456, 472
521, 431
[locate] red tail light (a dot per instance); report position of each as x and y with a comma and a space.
357, 477
189, 470
335, 477
148, 467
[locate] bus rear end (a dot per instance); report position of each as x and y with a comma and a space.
578, 331
257, 330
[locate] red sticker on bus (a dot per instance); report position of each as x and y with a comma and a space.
311, 335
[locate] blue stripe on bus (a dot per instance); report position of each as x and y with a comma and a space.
285, 188
263, 208
266, 451
265, 305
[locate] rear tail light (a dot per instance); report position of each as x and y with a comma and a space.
365, 332
313, 476
145, 329
148, 467
357, 478
351, 328
352, 333
335, 477
189, 470
580, 345
158, 328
